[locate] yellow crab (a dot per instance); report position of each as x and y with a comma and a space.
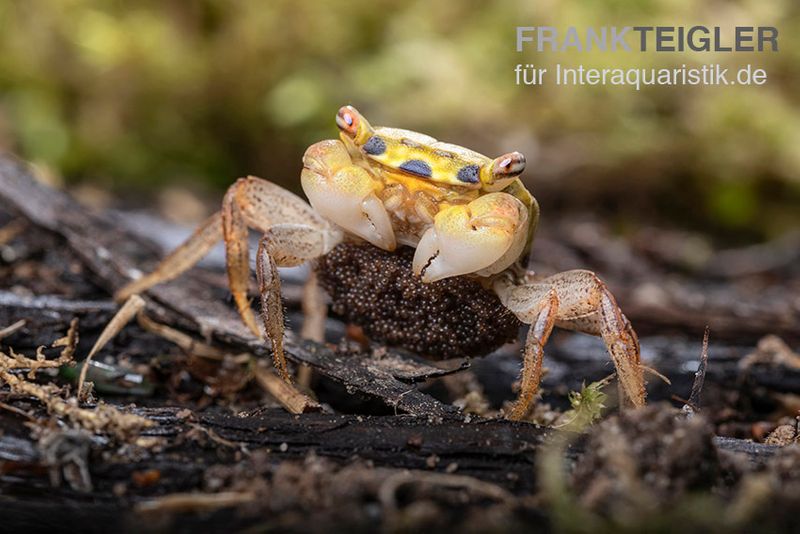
465, 215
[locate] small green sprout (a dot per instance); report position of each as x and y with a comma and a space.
587, 406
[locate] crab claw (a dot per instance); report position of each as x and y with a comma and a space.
467, 239
345, 194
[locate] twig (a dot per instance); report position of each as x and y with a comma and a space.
7, 331
289, 397
195, 502
184, 341
693, 404
102, 418
12, 360
69, 342
315, 314
117, 323
213, 436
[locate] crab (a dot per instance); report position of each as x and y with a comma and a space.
464, 215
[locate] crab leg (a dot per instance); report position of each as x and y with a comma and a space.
255, 203
179, 260
583, 303
293, 233
237, 254
285, 245
541, 326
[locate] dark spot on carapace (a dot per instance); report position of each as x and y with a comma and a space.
408, 142
469, 174
417, 167
375, 146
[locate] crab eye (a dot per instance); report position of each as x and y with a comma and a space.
347, 120
509, 164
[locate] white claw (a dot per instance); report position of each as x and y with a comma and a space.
427, 251
374, 224
468, 239
437, 258
347, 200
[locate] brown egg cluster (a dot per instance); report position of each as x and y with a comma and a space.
377, 290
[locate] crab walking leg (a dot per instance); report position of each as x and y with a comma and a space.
249, 203
179, 260
286, 245
257, 203
586, 305
541, 325
315, 312
621, 341
237, 255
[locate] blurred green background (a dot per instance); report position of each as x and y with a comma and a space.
136, 96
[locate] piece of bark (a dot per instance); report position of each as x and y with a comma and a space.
571, 359
47, 317
500, 453
493, 450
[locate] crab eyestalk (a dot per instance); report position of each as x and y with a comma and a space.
353, 127
503, 171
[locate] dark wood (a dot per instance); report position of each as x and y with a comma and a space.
493, 450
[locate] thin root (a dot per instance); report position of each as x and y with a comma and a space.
102, 418
7, 331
